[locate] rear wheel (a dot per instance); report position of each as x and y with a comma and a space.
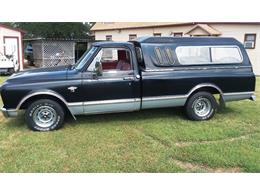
201, 106
44, 115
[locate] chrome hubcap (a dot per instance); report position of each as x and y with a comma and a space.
44, 116
202, 107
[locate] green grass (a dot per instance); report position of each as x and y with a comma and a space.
160, 140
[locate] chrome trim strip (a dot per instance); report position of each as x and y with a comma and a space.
240, 93
75, 104
40, 93
103, 79
168, 97
205, 85
179, 68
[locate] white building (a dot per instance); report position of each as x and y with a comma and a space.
247, 33
11, 43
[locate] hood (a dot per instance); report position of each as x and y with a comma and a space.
40, 74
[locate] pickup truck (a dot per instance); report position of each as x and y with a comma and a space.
150, 72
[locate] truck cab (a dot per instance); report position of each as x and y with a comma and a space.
151, 72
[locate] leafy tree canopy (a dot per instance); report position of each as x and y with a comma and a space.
68, 30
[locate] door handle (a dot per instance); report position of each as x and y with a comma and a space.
129, 78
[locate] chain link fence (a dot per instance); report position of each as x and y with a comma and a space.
47, 53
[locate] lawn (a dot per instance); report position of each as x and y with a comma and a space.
160, 140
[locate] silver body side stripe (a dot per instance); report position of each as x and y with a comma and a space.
125, 105
133, 104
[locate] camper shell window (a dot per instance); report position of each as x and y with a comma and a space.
196, 55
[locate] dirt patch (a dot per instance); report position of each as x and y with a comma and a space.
231, 139
191, 167
155, 138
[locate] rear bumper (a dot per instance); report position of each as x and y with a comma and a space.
9, 113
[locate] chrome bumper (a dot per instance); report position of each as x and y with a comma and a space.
9, 113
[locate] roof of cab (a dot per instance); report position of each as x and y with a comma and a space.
205, 40
112, 44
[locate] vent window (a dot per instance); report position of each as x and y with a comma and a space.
158, 54
169, 54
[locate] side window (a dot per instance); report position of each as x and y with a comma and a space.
193, 55
178, 34
226, 55
132, 37
113, 59
108, 37
250, 41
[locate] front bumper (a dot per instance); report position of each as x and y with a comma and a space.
9, 113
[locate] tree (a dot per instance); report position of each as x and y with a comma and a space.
67, 30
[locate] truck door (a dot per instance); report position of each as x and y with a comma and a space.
117, 89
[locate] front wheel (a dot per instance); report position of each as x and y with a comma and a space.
44, 115
201, 106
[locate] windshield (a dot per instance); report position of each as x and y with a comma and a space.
84, 58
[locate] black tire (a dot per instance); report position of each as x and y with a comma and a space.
199, 102
41, 110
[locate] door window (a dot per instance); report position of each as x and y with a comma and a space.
113, 60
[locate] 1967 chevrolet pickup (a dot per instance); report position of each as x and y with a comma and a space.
151, 72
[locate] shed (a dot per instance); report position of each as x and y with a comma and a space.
49, 52
11, 44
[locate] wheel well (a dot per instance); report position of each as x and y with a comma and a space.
50, 97
212, 90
